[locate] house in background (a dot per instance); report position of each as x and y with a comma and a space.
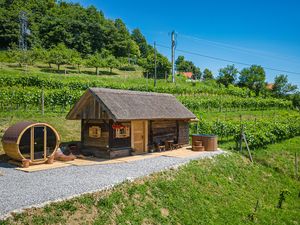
117, 123
270, 86
188, 75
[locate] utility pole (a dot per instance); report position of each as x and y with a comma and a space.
173, 55
155, 69
23, 31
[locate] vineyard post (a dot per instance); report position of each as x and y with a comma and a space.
296, 165
147, 80
244, 137
43, 100
241, 133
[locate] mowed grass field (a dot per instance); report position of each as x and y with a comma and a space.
228, 189
39, 68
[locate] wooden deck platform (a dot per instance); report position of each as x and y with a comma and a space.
184, 152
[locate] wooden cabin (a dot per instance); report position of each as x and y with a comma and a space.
117, 123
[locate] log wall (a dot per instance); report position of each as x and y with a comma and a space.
118, 142
183, 132
103, 141
162, 130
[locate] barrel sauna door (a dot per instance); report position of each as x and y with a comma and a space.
139, 136
39, 143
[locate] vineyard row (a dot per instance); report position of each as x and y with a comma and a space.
64, 97
259, 133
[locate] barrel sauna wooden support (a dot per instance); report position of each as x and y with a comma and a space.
31, 143
209, 142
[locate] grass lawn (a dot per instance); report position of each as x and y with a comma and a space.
222, 190
40, 68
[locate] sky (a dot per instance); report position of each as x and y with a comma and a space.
260, 32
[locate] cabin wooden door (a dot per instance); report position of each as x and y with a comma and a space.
139, 136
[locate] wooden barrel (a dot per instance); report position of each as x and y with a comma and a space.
210, 142
30, 141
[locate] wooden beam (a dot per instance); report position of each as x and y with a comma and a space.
32, 143
146, 135
45, 142
132, 134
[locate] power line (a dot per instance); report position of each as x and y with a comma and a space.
227, 60
241, 49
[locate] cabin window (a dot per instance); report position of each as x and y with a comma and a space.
94, 132
121, 131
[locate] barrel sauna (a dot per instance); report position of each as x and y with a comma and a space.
32, 142
209, 142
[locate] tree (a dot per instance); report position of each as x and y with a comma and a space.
78, 28
282, 87
17, 56
296, 99
253, 78
179, 64
227, 75
163, 65
207, 75
22, 56
59, 55
96, 61
139, 38
134, 50
111, 62
197, 73
76, 59
183, 65
9, 20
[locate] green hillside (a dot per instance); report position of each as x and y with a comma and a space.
221, 109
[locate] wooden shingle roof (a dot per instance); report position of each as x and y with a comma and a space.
124, 105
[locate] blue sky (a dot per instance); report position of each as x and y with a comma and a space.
266, 33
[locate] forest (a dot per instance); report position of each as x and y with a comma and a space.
62, 32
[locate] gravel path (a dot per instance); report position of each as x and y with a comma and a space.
19, 190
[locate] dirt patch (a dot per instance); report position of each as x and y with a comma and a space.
164, 212
84, 213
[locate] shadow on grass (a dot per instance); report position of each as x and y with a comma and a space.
92, 73
265, 163
55, 71
100, 72
50, 70
13, 65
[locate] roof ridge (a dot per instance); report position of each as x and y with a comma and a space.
132, 92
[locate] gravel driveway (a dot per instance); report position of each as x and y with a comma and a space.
19, 190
